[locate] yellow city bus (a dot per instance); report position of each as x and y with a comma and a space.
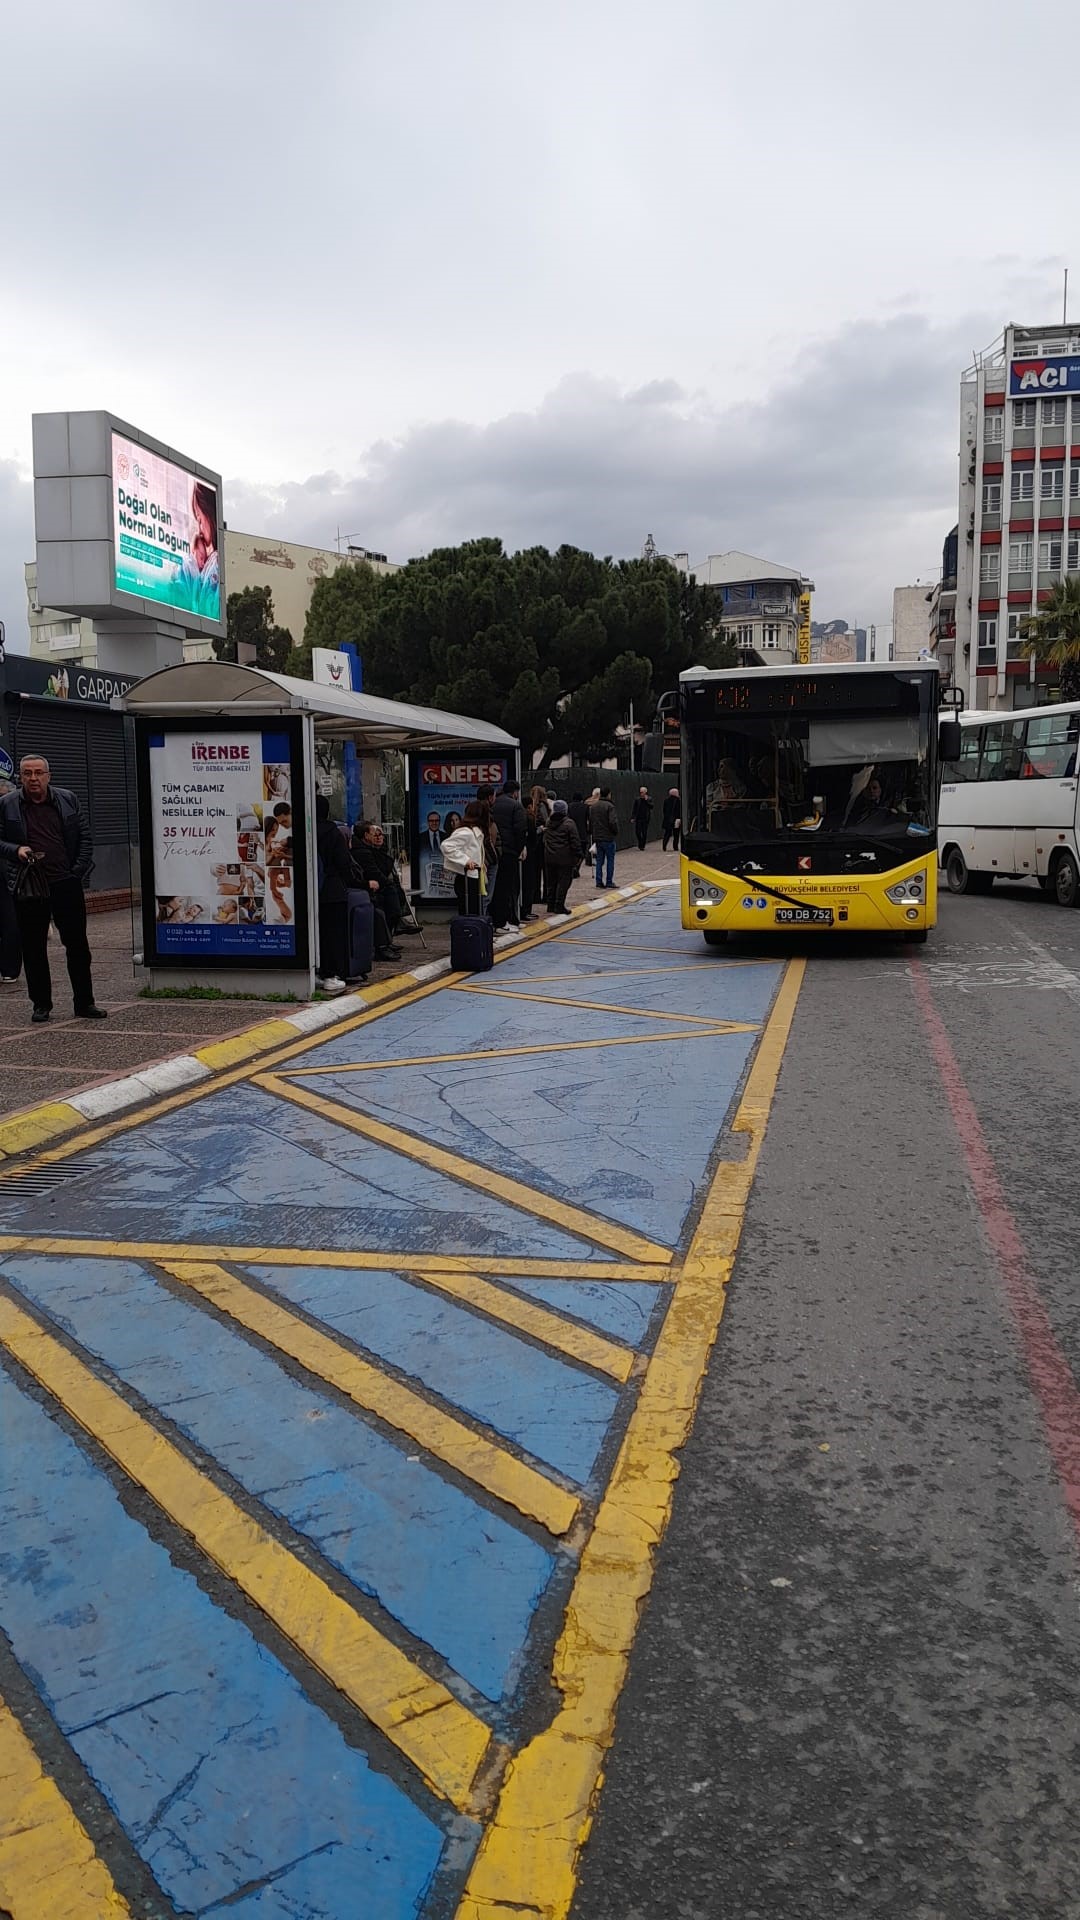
809, 799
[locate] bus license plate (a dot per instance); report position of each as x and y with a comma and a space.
804, 916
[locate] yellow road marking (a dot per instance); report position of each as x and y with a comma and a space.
633, 946
562, 1213
527, 1859
593, 1349
603, 1006
512, 1053
440, 1736
48, 1866
397, 1261
27, 1130
449, 1439
626, 973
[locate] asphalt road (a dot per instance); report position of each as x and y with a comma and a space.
856, 1687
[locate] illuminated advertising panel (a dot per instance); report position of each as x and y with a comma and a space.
223, 864
166, 532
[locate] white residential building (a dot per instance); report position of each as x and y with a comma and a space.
757, 604
911, 621
1019, 522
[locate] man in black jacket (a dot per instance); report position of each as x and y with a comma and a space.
513, 824
44, 826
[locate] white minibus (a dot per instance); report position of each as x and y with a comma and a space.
1009, 803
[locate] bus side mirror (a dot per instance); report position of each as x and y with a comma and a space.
950, 739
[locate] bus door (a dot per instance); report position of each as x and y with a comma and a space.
1047, 798
996, 848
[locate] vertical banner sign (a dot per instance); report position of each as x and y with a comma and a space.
441, 792
804, 629
222, 835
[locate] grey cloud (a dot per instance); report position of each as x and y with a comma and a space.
846, 469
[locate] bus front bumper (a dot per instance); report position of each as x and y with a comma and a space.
904, 900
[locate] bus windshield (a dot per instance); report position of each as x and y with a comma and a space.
854, 773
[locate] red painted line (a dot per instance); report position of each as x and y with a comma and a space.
1056, 1393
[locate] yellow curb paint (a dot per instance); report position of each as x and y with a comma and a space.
379, 1261
29, 1129
604, 1006
527, 1859
514, 1053
578, 1343
48, 1867
435, 1732
447, 1438
244, 1046
587, 1226
39, 1124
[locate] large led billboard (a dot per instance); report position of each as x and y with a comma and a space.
165, 528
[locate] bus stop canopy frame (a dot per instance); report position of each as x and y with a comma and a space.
217, 688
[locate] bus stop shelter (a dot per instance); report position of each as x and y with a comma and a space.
225, 775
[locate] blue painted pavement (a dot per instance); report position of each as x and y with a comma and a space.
228, 1779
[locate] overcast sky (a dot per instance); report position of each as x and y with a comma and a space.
557, 270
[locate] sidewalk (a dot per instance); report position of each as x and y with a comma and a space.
68, 1055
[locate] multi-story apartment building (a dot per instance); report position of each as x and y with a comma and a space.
1019, 526
943, 611
757, 604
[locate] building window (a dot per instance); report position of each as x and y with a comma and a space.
1019, 556
1023, 413
1053, 413
1050, 556
1074, 481
1023, 484
994, 427
1015, 644
744, 636
991, 496
1052, 483
1072, 557
990, 565
771, 636
988, 643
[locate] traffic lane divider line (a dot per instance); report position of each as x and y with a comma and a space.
604, 1006
48, 1864
510, 1265
634, 973
445, 1436
527, 1858
23, 1132
562, 1213
513, 1053
512, 1310
437, 1734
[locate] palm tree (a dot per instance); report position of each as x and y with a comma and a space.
1053, 634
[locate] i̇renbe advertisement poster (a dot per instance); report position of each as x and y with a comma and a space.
165, 524
443, 790
221, 805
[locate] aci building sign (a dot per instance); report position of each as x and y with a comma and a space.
1044, 376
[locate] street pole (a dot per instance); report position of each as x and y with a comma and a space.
631, 736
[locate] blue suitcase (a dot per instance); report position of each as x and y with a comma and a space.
360, 933
472, 943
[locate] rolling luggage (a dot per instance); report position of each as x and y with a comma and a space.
472, 939
359, 934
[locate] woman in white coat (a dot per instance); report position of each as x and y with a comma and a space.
463, 856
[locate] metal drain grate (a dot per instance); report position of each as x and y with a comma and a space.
36, 1180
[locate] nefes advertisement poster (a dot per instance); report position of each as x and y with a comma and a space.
223, 844
165, 523
443, 790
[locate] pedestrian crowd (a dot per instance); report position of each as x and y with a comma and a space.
507, 858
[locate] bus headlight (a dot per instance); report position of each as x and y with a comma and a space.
703, 892
908, 892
